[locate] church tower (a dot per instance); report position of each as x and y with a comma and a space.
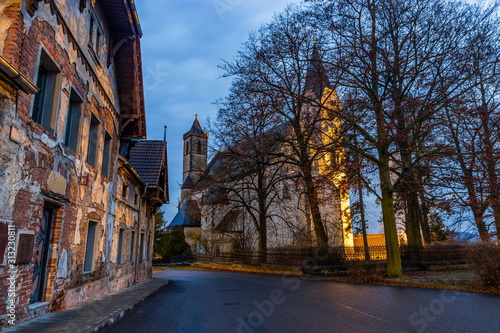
317, 86
195, 154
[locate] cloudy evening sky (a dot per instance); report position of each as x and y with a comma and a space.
183, 43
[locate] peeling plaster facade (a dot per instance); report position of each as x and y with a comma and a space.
61, 180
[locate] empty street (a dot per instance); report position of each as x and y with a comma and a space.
205, 301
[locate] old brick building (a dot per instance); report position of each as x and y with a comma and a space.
71, 109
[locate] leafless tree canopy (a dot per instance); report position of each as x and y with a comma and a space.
417, 83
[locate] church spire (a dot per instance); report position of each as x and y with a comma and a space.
196, 126
316, 78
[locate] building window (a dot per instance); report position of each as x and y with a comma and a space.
131, 194
73, 121
136, 199
45, 105
141, 246
124, 192
83, 4
120, 247
148, 246
199, 147
187, 148
95, 36
32, 6
88, 264
92, 145
106, 156
132, 240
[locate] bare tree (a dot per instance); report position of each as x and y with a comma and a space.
250, 132
398, 63
280, 64
471, 129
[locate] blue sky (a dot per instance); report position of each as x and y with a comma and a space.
183, 43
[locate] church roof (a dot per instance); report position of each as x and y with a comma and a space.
189, 215
316, 78
196, 126
188, 182
228, 221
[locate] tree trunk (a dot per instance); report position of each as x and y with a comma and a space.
497, 223
262, 242
491, 159
394, 268
413, 217
306, 165
481, 227
262, 234
363, 222
319, 229
426, 231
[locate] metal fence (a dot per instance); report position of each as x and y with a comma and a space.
341, 255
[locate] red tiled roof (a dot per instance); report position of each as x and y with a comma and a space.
149, 158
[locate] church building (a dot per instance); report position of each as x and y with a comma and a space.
214, 208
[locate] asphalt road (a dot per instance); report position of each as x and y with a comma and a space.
204, 301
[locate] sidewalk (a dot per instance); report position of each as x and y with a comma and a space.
92, 316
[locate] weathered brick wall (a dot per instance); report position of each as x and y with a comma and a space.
30, 157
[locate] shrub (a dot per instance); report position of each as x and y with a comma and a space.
171, 242
484, 260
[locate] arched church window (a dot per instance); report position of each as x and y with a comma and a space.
187, 148
199, 147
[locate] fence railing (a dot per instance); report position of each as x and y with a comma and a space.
341, 255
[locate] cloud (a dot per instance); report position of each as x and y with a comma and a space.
183, 43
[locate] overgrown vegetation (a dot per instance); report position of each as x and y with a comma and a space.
484, 259
169, 242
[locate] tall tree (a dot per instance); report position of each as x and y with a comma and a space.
472, 130
281, 66
398, 63
249, 131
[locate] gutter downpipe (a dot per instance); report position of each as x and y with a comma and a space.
17, 77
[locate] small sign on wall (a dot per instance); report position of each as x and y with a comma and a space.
24, 249
4, 228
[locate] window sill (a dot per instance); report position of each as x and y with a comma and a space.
39, 130
87, 275
37, 305
93, 55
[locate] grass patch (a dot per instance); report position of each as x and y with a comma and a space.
420, 281
186, 268
158, 268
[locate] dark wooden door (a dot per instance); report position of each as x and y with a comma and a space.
41, 257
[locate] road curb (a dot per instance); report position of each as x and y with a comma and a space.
117, 315
94, 315
263, 269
